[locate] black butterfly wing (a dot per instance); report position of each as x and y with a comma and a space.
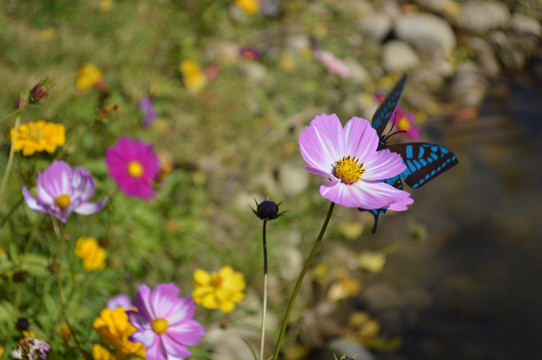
385, 110
424, 162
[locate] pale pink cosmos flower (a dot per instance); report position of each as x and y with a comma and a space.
332, 64
348, 157
121, 300
164, 322
402, 120
134, 166
62, 190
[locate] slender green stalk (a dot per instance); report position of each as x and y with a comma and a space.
14, 112
300, 280
10, 160
264, 306
59, 230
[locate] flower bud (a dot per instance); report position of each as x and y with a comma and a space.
267, 210
40, 91
22, 324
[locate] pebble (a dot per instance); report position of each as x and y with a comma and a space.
426, 32
482, 16
398, 56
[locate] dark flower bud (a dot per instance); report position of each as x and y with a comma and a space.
267, 210
40, 91
22, 324
20, 103
20, 276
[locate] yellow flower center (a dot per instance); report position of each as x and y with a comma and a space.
349, 170
135, 169
63, 201
159, 326
216, 280
35, 133
403, 124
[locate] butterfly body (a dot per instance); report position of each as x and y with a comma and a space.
424, 161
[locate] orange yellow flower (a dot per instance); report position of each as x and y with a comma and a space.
101, 353
92, 254
38, 136
114, 328
218, 290
248, 6
193, 75
88, 76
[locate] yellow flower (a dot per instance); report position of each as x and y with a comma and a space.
193, 75
106, 5
101, 353
88, 76
114, 328
220, 290
248, 6
92, 254
38, 136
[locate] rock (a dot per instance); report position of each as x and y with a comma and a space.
381, 297
358, 74
293, 179
512, 50
485, 56
469, 86
482, 16
426, 32
525, 25
377, 26
398, 56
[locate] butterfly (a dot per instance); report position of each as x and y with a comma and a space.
424, 161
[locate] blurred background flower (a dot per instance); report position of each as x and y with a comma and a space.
38, 136
218, 290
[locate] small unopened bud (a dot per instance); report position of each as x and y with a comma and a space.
40, 91
267, 210
22, 324
20, 103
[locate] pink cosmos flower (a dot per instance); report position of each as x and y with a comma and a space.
164, 322
121, 300
332, 64
134, 166
403, 121
348, 157
62, 190
146, 106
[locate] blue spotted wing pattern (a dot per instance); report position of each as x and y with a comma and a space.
424, 162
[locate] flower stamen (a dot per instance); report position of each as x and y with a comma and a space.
135, 169
63, 201
348, 169
216, 280
159, 326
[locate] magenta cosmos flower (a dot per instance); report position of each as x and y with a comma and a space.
62, 190
164, 322
134, 166
348, 157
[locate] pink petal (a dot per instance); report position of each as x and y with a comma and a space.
383, 164
57, 178
143, 302
173, 348
183, 309
156, 351
163, 299
145, 337
32, 202
43, 195
321, 142
187, 333
360, 137
90, 208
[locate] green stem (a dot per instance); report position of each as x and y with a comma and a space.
10, 159
264, 306
14, 112
300, 279
59, 230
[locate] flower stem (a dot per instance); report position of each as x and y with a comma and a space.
300, 279
10, 159
264, 306
59, 230
14, 112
